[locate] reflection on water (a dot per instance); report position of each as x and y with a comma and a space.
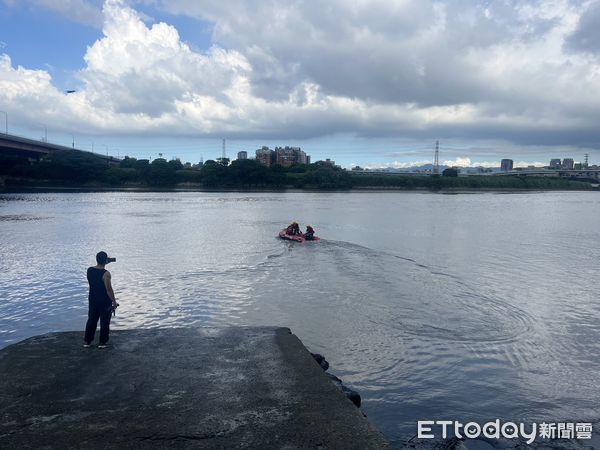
19, 217
465, 307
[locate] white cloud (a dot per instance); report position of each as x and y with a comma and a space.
305, 69
141, 78
145, 71
525, 164
20, 84
496, 69
397, 164
458, 162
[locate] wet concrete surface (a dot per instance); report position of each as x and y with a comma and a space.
174, 388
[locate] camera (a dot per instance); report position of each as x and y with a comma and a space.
113, 308
109, 260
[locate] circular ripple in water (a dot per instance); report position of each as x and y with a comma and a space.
415, 299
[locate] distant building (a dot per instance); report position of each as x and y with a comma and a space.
287, 156
506, 165
568, 163
284, 156
242, 155
265, 156
555, 163
330, 162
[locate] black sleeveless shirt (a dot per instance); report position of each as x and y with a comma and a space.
98, 295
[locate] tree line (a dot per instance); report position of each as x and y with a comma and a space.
76, 168
72, 168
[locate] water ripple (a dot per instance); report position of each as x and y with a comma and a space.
491, 311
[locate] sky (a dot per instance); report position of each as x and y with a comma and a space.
371, 83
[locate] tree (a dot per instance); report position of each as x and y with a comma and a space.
72, 166
175, 164
14, 165
326, 176
247, 172
127, 163
213, 174
298, 168
450, 172
119, 175
161, 173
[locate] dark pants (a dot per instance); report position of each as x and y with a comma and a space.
102, 312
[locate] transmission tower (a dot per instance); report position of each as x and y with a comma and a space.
436, 160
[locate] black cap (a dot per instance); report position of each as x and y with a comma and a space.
101, 258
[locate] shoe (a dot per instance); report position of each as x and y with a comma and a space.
102, 346
86, 345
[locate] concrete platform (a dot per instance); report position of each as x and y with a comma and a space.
174, 388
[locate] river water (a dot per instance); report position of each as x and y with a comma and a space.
432, 306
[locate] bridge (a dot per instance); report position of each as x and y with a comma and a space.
31, 148
591, 174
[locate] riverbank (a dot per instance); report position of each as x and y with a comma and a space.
184, 388
13, 189
77, 169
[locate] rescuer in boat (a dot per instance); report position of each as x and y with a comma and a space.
293, 229
310, 233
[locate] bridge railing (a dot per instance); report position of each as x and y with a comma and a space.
51, 146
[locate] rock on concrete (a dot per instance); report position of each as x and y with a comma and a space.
174, 388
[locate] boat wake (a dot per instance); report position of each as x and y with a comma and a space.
407, 297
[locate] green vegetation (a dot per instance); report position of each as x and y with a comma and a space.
468, 182
450, 172
73, 168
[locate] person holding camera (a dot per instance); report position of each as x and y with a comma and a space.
102, 302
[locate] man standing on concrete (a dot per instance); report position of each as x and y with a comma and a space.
102, 301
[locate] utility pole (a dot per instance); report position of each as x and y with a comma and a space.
224, 149
436, 160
